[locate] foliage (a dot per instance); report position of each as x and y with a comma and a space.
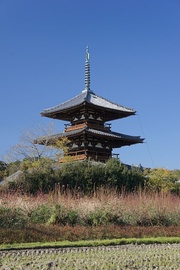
160, 179
62, 144
82, 176
104, 207
3, 166
63, 216
37, 180
12, 168
41, 214
44, 173
38, 153
98, 217
39, 175
88, 176
12, 218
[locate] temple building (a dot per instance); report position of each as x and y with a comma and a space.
88, 133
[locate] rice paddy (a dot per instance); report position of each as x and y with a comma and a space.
154, 256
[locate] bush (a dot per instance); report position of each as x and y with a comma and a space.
12, 218
41, 214
63, 216
35, 181
82, 176
88, 176
126, 179
98, 217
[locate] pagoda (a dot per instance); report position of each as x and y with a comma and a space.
88, 133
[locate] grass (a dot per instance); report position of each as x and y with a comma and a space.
65, 215
131, 208
108, 230
92, 243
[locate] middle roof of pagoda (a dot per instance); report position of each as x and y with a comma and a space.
88, 99
117, 139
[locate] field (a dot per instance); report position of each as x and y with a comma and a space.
58, 216
106, 214
156, 256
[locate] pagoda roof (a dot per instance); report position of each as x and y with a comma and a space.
110, 109
117, 139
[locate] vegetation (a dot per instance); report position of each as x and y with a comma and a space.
65, 215
48, 233
121, 257
50, 201
38, 161
83, 201
90, 243
44, 174
3, 167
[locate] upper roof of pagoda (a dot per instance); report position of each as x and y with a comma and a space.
87, 99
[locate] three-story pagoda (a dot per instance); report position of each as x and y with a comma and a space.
88, 132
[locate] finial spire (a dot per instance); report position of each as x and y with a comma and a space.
87, 70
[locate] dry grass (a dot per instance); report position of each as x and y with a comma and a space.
100, 199
105, 214
139, 202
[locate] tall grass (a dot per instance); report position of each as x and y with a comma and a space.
66, 215
105, 206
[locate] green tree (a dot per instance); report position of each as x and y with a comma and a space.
160, 179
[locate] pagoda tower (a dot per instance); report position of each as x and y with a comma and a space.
87, 130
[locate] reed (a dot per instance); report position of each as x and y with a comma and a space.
104, 205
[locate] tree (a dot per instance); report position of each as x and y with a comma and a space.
3, 166
28, 148
160, 179
62, 146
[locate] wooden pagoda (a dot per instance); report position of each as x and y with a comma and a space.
87, 130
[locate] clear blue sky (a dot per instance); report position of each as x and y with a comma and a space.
135, 61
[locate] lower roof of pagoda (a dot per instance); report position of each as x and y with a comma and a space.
116, 139
64, 111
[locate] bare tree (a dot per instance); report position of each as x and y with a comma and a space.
28, 148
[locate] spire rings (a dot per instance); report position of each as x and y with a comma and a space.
87, 70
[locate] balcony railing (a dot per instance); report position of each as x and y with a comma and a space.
69, 127
72, 158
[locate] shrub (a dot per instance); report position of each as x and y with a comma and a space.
88, 176
63, 216
82, 176
12, 218
41, 214
127, 179
98, 217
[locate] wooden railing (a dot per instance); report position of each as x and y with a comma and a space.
75, 127
79, 126
72, 158
79, 157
